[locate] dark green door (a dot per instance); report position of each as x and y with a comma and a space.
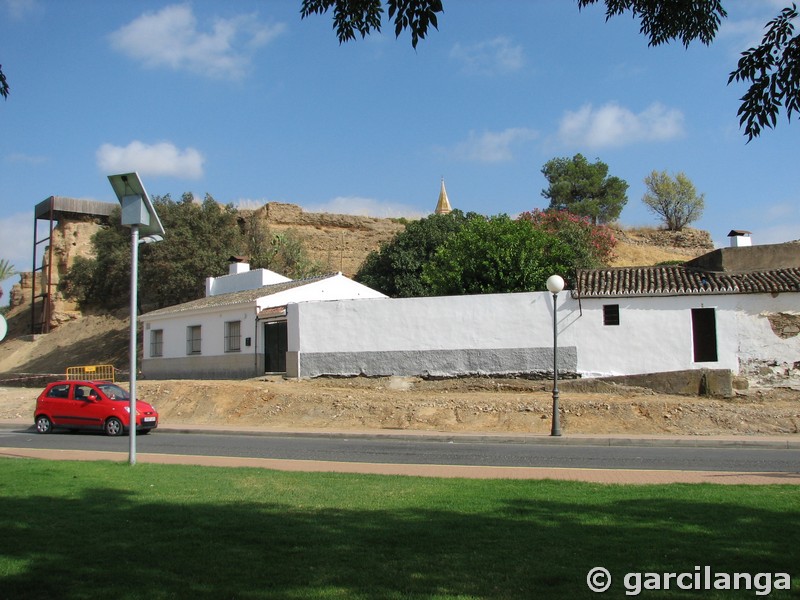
276, 343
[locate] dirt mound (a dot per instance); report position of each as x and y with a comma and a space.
459, 405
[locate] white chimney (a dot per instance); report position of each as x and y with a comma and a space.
740, 238
236, 268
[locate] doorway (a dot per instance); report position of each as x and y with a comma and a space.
704, 334
276, 343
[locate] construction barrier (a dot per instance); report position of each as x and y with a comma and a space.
93, 372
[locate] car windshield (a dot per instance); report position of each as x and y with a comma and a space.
113, 392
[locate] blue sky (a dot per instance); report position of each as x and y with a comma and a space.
245, 101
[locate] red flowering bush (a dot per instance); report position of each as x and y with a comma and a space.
593, 245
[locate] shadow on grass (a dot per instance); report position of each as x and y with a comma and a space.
112, 543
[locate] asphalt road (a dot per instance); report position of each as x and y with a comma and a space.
425, 451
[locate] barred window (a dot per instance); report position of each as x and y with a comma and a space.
157, 342
193, 339
233, 337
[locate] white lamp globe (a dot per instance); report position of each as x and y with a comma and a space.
555, 283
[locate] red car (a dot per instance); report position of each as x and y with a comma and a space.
99, 405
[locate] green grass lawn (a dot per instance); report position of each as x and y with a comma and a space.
98, 529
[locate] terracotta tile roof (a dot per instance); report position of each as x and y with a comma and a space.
236, 297
677, 280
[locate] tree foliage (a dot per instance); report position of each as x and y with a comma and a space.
4, 89
592, 245
473, 254
6, 270
396, 269
199, 239
664, 21
772, 68
674, 200
496, 255
364, 16
584, 188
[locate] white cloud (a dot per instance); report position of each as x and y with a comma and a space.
779, 222
492, 146
742, 34
746, 25
613, 126
499, 55
16, 239
365, 207
16, 243
20, 9
171, 38
778, 234
158, 159
28, 159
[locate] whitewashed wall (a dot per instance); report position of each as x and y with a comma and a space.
245, 280
213, 361
512, 333
444, 336
655, 333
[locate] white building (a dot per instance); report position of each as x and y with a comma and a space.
239, 329
709, 313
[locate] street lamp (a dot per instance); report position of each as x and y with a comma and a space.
138, 214
555, 283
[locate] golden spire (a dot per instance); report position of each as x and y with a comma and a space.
443, 206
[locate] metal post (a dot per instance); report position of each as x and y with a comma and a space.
556, 427
133, 344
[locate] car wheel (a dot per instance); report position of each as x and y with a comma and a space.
43, 424
113, 426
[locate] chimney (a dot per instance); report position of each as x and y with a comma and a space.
740, 238
238, 264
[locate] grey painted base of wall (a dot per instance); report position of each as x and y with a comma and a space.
228, 366
435, 363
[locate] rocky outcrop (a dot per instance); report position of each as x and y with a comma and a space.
691, 240
337, 242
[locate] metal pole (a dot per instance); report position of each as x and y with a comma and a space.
556, 428
133, 345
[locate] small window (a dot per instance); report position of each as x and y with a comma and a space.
193, 339
157, 342
233, 337
611, 314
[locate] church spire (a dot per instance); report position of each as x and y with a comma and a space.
443, 205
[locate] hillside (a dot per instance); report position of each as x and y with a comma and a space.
339, 242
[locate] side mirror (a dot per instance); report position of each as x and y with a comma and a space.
93, 397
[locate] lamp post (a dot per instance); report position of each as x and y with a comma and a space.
555, 283
138, 214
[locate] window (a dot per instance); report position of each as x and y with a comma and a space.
611, 314
233, 338
59, 391
193, 339
82, 392
157, 342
